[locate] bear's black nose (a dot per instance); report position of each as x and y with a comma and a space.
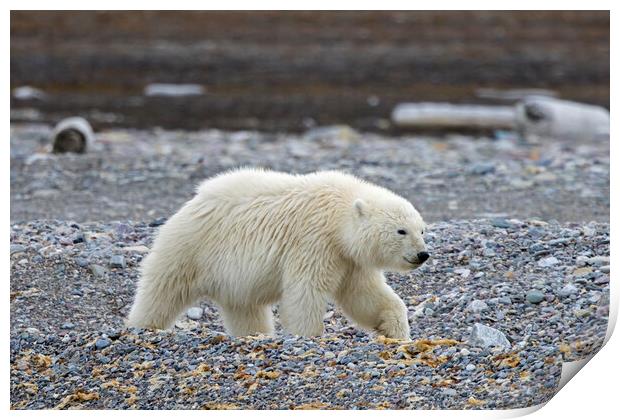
423, 256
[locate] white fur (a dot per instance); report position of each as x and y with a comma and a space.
251, 238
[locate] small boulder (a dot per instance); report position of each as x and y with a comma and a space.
483, 336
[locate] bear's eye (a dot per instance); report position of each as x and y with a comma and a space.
401, 232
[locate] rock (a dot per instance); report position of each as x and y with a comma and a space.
470, 367
465, 352
505, 300
478, 306
82, 262
598, 261
588, 231
117, 261
581, 260
140, 249
548, 262
449, 392
102, 343
16, 248
483, 336
482, 168
340, 132
604, 269
78, 238
501, 223
582, 271
97, 270
535, 296
569, 289
194, 313
67, 325
463, 272
601, 280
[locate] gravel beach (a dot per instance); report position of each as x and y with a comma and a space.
72, 285
146, 174
518, 280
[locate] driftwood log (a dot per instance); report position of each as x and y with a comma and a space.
72, 135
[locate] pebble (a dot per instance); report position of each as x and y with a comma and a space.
470, 367
604, 269
195, 313
535, 296
598, 261
501, 223
98, 270
548, 262
102, 343
449, 392
16, 248
482, 168
478, 306
568, 290
117, 261
601, 280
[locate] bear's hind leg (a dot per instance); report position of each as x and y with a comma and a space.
247, 320
158, 303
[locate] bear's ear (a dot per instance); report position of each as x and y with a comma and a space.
360, 207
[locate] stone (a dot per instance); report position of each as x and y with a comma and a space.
98, 270
569, 289
604, 269
548, 262
582, 271
470, 367
482, 168
478, 306
140, 249
501, 223
449, 392
463, 272
102, 343
581, 260
535, 296
598, 261
16, 248
483, 336
601, 280
117, 261
195, 313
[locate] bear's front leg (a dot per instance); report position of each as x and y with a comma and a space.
370, 302
393, 322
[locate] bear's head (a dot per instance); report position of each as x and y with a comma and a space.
386, 232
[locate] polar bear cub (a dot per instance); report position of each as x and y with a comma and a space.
251, 238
